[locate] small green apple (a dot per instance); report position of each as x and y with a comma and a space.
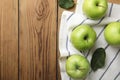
95, 9
112, 33
83, 37
77, 66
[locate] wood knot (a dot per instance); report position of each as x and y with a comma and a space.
42, 10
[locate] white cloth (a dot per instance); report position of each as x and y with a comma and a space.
69, 20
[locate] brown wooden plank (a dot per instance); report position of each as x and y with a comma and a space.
60, 10
9, 40
38, 25
115, 1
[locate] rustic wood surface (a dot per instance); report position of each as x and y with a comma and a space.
8, 40
29, 39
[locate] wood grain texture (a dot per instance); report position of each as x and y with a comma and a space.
38, 26
114, 1
29, 39
8, 39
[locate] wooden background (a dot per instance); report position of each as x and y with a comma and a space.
29, 39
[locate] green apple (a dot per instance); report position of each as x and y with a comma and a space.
95, 9
77, 66
112, 33
83, 37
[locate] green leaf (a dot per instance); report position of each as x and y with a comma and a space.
66, 4
98, 59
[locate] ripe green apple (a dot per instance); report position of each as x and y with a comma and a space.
95, 9
83, 37
112, 33
77, 66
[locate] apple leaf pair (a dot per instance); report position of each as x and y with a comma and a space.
66, 4
98, 59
